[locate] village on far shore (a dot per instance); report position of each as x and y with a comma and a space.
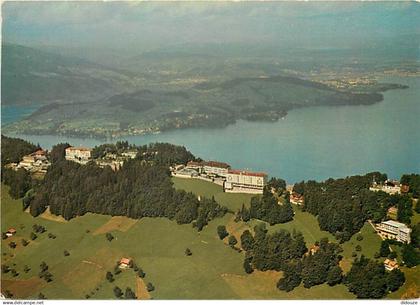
220, 173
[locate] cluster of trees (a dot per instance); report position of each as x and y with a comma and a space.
19, 181
157, 153
286, 252
44, 273
315, 268
413, 181
277, 184
58, 152
272, 251
343, 205
117, 148
404, 205
13, 149
410, 255
139, 189
165, 154
322, 265
267, 208
368, 279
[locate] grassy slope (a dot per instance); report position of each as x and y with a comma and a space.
214, 271
203, 188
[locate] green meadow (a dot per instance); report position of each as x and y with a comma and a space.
157, 245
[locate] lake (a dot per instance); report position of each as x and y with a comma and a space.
309, 143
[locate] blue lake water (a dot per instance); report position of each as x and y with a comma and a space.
309, 143
11, 114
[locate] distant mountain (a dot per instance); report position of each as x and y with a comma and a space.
32, 76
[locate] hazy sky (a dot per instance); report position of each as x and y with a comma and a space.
148, 25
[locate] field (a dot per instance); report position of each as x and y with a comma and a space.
213, 271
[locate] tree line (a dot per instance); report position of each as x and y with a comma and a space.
138, 190
282, 251
266, 208
413, 181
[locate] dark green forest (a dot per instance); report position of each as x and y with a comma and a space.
343, 205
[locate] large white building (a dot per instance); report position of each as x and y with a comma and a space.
78, 154
394, 230
238, 181
390, 187
209, 168
214, 168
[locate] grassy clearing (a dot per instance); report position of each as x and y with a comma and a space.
120, 223
303, 222
370, 245
207, 189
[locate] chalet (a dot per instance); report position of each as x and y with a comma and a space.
296, 198
390, 264
78, 154
11, 232
239, 181
124, 263
312, 250
35, 162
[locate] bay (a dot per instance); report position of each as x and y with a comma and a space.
309, 143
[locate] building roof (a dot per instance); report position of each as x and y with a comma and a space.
216, 164
392, 182
193, 163
394, 224
405, 229
246, 173
125, 261
11, 230
79, 148
391, 263
39, 152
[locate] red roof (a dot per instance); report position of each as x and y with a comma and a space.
216, 164
246, 173
11, 230
125, 261
39, 152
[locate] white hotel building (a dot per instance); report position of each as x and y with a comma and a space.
238, 181
78, 154
394, 230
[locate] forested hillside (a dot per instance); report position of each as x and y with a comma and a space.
343, 205
31, 76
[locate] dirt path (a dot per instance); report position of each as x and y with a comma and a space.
142, 293
92, 263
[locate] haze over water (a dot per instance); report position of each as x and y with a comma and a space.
310, 143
